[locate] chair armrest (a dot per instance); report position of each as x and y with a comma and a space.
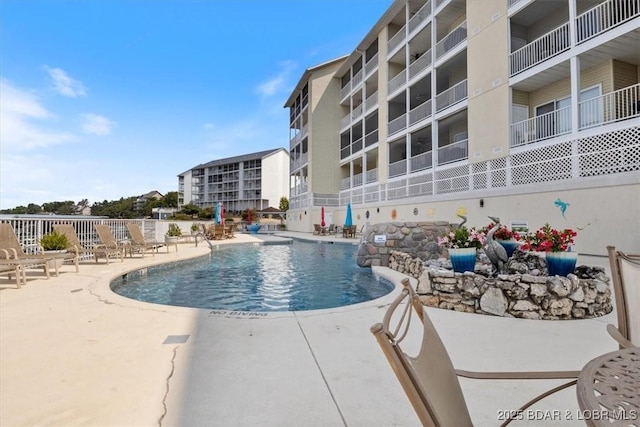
616, 335
524, 375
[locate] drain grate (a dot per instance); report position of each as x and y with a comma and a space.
176, 339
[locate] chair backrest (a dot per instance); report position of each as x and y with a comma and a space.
316, 227
68, 231
136, 234
625, 272
9, 240
429, 378
105, 235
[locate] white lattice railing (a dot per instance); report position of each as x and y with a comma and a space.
603, 17
451, 40
541, 127
451, 96
420, 113
539, 50
513, 2
421, 161
397, 81
420, 16
371, 175
371, 102
345, 90
299, 202
357, 79
357, 112
323, 199
420, 64
622, 104
397, 124
453, 152
398, 168
345, 183
356, 180
397, 39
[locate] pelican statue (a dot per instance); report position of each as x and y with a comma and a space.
496, 253
464, 220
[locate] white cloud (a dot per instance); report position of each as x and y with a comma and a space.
96, 125
278, 83
65, 85
21, 115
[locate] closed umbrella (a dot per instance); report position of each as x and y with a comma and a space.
322, 223
221, 213
217, 214
348, 221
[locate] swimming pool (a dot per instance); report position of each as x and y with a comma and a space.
269, 278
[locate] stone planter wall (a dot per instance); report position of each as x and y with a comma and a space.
585, 294
419, 239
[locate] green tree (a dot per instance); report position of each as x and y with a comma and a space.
190, 209
284, 204
170, 200
32, 208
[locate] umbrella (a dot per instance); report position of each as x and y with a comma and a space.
221, 213
217, 213
348, 221
322, 223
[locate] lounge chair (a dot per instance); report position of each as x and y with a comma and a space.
218, 232
10, 267
429, 379
317, 229
76, 247
12, 250
108, 240
139, 243
625, 274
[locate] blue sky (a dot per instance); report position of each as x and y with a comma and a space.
107, 99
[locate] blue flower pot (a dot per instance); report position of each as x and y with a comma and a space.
509, 245
253, 228
463, 259
561, 263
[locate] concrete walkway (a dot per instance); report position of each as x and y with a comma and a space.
74, 353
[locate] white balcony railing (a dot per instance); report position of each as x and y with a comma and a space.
371, 175
397, 39
397, 81
345, 90
451, 40
357, 112
420, 64
371, 102
357, 79
453, 95
622, 104
345, 183
541, 127
356, 180
397, 124
345, 121
421, 161
420, 113
603, 17
539, 50
420, 16
371, 65
453, 152
398, 168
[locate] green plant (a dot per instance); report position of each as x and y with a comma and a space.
194, 227
547, 239
462, 237
54, 241
174, 230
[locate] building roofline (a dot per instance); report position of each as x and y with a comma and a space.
237, 159
305, 77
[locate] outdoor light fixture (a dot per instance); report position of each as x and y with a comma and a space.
482, 203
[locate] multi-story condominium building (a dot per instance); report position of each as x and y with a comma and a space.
524, 109
250, 181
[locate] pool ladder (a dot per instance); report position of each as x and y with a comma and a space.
204, 237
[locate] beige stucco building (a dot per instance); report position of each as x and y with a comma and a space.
524, 109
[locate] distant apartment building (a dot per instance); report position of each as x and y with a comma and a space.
524, 109
250, 181
143, 199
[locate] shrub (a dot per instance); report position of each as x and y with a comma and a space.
54, 241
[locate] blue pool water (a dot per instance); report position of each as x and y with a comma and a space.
292, 277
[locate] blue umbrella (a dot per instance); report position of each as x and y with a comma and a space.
348, 221
217, 214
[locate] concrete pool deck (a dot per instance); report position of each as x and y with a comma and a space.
74, 353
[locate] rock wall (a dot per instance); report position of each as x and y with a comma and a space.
585, 294
418, 239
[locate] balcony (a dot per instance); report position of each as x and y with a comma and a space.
603, 17
623, 104
397, 81
420, 64
371, 138
397, 39
453, 152
541, 127
299, 162
345, 184
345, 121
356, 180
371, 176
371, 102
398, 124
345, 152
345, 90
539, 50
451, 96
356, 146
357, 112
371, 65
421, 161
398, 168
420, 16
420, 113
357, 79
451, 40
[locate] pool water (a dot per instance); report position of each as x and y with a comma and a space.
269, 278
